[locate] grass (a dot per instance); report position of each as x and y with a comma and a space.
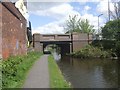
56, 78
15, 69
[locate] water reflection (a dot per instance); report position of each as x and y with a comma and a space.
56, 56
90, 73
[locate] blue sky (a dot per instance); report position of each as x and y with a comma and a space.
50, 17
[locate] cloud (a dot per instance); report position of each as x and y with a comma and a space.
54, 10
57, 11
36, 6
82, 2
102, 7
87, 8
60, 12
57, 27
51, 28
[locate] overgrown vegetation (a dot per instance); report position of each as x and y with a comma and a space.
56, 78
14, 69
111, 31
90, 51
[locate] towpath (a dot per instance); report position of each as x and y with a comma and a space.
38, 77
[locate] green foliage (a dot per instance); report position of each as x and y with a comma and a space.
15, 69
110, 30
56, 78
117, 50
106, 44
72, 24
85, 27
91, 52
75, 24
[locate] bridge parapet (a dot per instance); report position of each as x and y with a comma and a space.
52, 37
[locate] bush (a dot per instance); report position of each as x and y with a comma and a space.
118, 48
112, 45
106, 44
14, 69
91, 52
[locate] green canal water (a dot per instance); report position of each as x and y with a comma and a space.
90, 73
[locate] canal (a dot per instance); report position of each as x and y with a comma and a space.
89, 73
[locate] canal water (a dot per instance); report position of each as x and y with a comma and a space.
89, 73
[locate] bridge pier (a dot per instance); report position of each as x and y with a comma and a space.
71, 48
80, 40
38, 46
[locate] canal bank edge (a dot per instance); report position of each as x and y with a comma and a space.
56, 78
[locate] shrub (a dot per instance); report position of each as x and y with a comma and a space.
14, 69
91, 52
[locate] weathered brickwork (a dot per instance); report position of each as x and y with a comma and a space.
14, 31
0, 31
80, 40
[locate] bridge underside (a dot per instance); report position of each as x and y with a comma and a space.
65, 46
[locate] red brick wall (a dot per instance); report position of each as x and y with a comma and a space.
13, 31
0, 31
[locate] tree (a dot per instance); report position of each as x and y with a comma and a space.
85, 27
72, 24
111, 29
116, 13
75, 24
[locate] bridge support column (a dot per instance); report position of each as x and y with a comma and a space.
71, 48
38, 46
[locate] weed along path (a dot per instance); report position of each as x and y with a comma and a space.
38, 77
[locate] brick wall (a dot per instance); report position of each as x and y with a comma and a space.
0, 31
14, 31
80, 40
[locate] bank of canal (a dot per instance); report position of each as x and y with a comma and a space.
90, 73
56, 78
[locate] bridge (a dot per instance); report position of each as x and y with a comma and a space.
67, 42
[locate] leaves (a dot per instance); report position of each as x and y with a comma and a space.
91, 52
14, 69
110, 30
72, 24
85, 27
76, 24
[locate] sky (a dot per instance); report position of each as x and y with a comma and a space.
49, 17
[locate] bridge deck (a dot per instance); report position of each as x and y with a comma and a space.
52, 37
